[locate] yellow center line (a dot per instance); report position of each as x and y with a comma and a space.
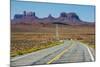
59, 55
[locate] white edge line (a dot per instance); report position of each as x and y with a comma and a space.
92, 58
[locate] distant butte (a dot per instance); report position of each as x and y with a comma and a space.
64, 18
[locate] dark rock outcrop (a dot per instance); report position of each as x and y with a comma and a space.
64, 18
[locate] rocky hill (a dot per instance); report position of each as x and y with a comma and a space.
64, 18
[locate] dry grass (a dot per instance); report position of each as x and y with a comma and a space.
26, 39
24, 46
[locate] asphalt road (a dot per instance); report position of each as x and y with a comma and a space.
69, 52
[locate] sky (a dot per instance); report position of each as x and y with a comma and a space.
85, 12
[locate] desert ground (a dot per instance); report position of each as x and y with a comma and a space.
30, 38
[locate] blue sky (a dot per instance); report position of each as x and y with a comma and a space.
86, 13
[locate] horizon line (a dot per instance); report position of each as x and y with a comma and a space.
22, 13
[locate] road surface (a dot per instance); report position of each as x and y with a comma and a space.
68, 52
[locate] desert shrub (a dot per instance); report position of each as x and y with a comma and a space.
19, 53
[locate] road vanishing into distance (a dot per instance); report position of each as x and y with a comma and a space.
69, 52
